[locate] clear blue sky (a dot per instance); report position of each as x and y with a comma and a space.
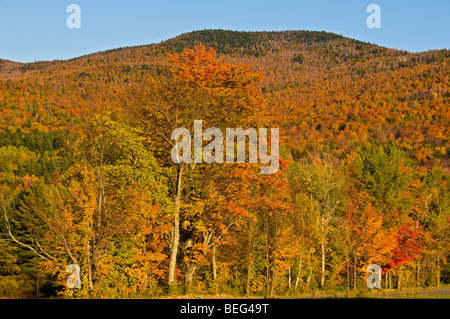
36, 30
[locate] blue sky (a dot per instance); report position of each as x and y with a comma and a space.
32, 30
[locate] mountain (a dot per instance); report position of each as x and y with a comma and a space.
322, 89
363, 175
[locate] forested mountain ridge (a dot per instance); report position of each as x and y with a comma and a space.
306, 72
363, 178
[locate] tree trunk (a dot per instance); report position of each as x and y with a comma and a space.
37, 284
89, 266
438, 271
273, 253
417, 272
272, 279
145, 284
214, 264
214, 268
322, 278
299, 271
308, 280
270, 258
348, 276
390, 280
95, 260
176, 228
322, 251
354, 270
190, 274
289, 278
249, 261
386, 280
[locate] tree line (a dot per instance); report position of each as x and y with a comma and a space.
112, 201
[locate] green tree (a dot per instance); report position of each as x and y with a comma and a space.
320, 179
385, 172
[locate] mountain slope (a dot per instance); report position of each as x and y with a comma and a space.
322, 89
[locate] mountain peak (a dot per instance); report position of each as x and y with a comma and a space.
248, 42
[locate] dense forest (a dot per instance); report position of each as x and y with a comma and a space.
86, 175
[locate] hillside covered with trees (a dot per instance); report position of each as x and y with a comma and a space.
86, 175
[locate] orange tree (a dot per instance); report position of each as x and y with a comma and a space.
199, 86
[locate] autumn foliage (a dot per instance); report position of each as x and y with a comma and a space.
86, 176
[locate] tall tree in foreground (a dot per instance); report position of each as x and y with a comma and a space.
385, 173
319, 178
199, 87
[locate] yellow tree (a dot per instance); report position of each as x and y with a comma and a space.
107, 212
320, 179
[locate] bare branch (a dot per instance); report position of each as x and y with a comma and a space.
8, 227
